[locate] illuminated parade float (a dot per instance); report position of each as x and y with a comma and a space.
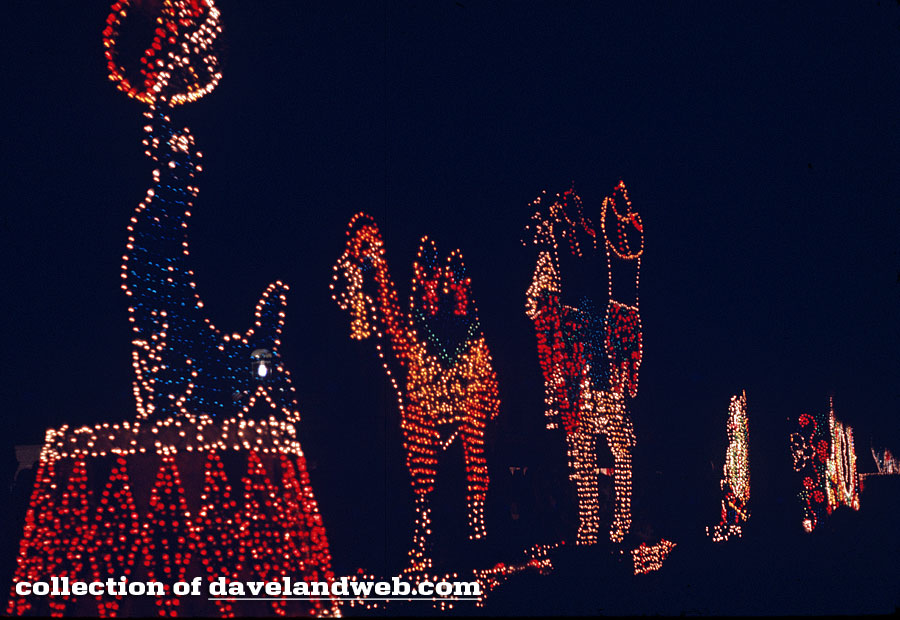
239, 468
207, 482
886, 463
209, 479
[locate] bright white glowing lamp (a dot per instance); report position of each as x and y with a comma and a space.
261, 364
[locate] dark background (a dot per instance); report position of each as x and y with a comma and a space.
759, 142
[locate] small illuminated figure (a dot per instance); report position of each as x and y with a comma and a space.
885, 462
735, 481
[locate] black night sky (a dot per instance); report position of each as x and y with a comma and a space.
760, 142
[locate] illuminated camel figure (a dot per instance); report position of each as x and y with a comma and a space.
438, 362
590, 361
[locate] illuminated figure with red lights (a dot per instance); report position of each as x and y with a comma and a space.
824, 456
810, 447
590, 358
209, 479
437, 360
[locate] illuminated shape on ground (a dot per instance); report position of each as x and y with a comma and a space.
590, 360
735, 481
128, 498
537, 559
437, 353
825, 457
885, 462
649, 558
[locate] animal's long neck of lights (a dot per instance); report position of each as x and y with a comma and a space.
156, 267
182, 363
394, 322
156, 277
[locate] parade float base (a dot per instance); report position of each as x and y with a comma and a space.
170, 501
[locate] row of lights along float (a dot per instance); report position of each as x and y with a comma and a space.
209, 478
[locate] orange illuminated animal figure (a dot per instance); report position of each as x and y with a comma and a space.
438, 362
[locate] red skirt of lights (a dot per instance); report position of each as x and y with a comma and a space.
166, 516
